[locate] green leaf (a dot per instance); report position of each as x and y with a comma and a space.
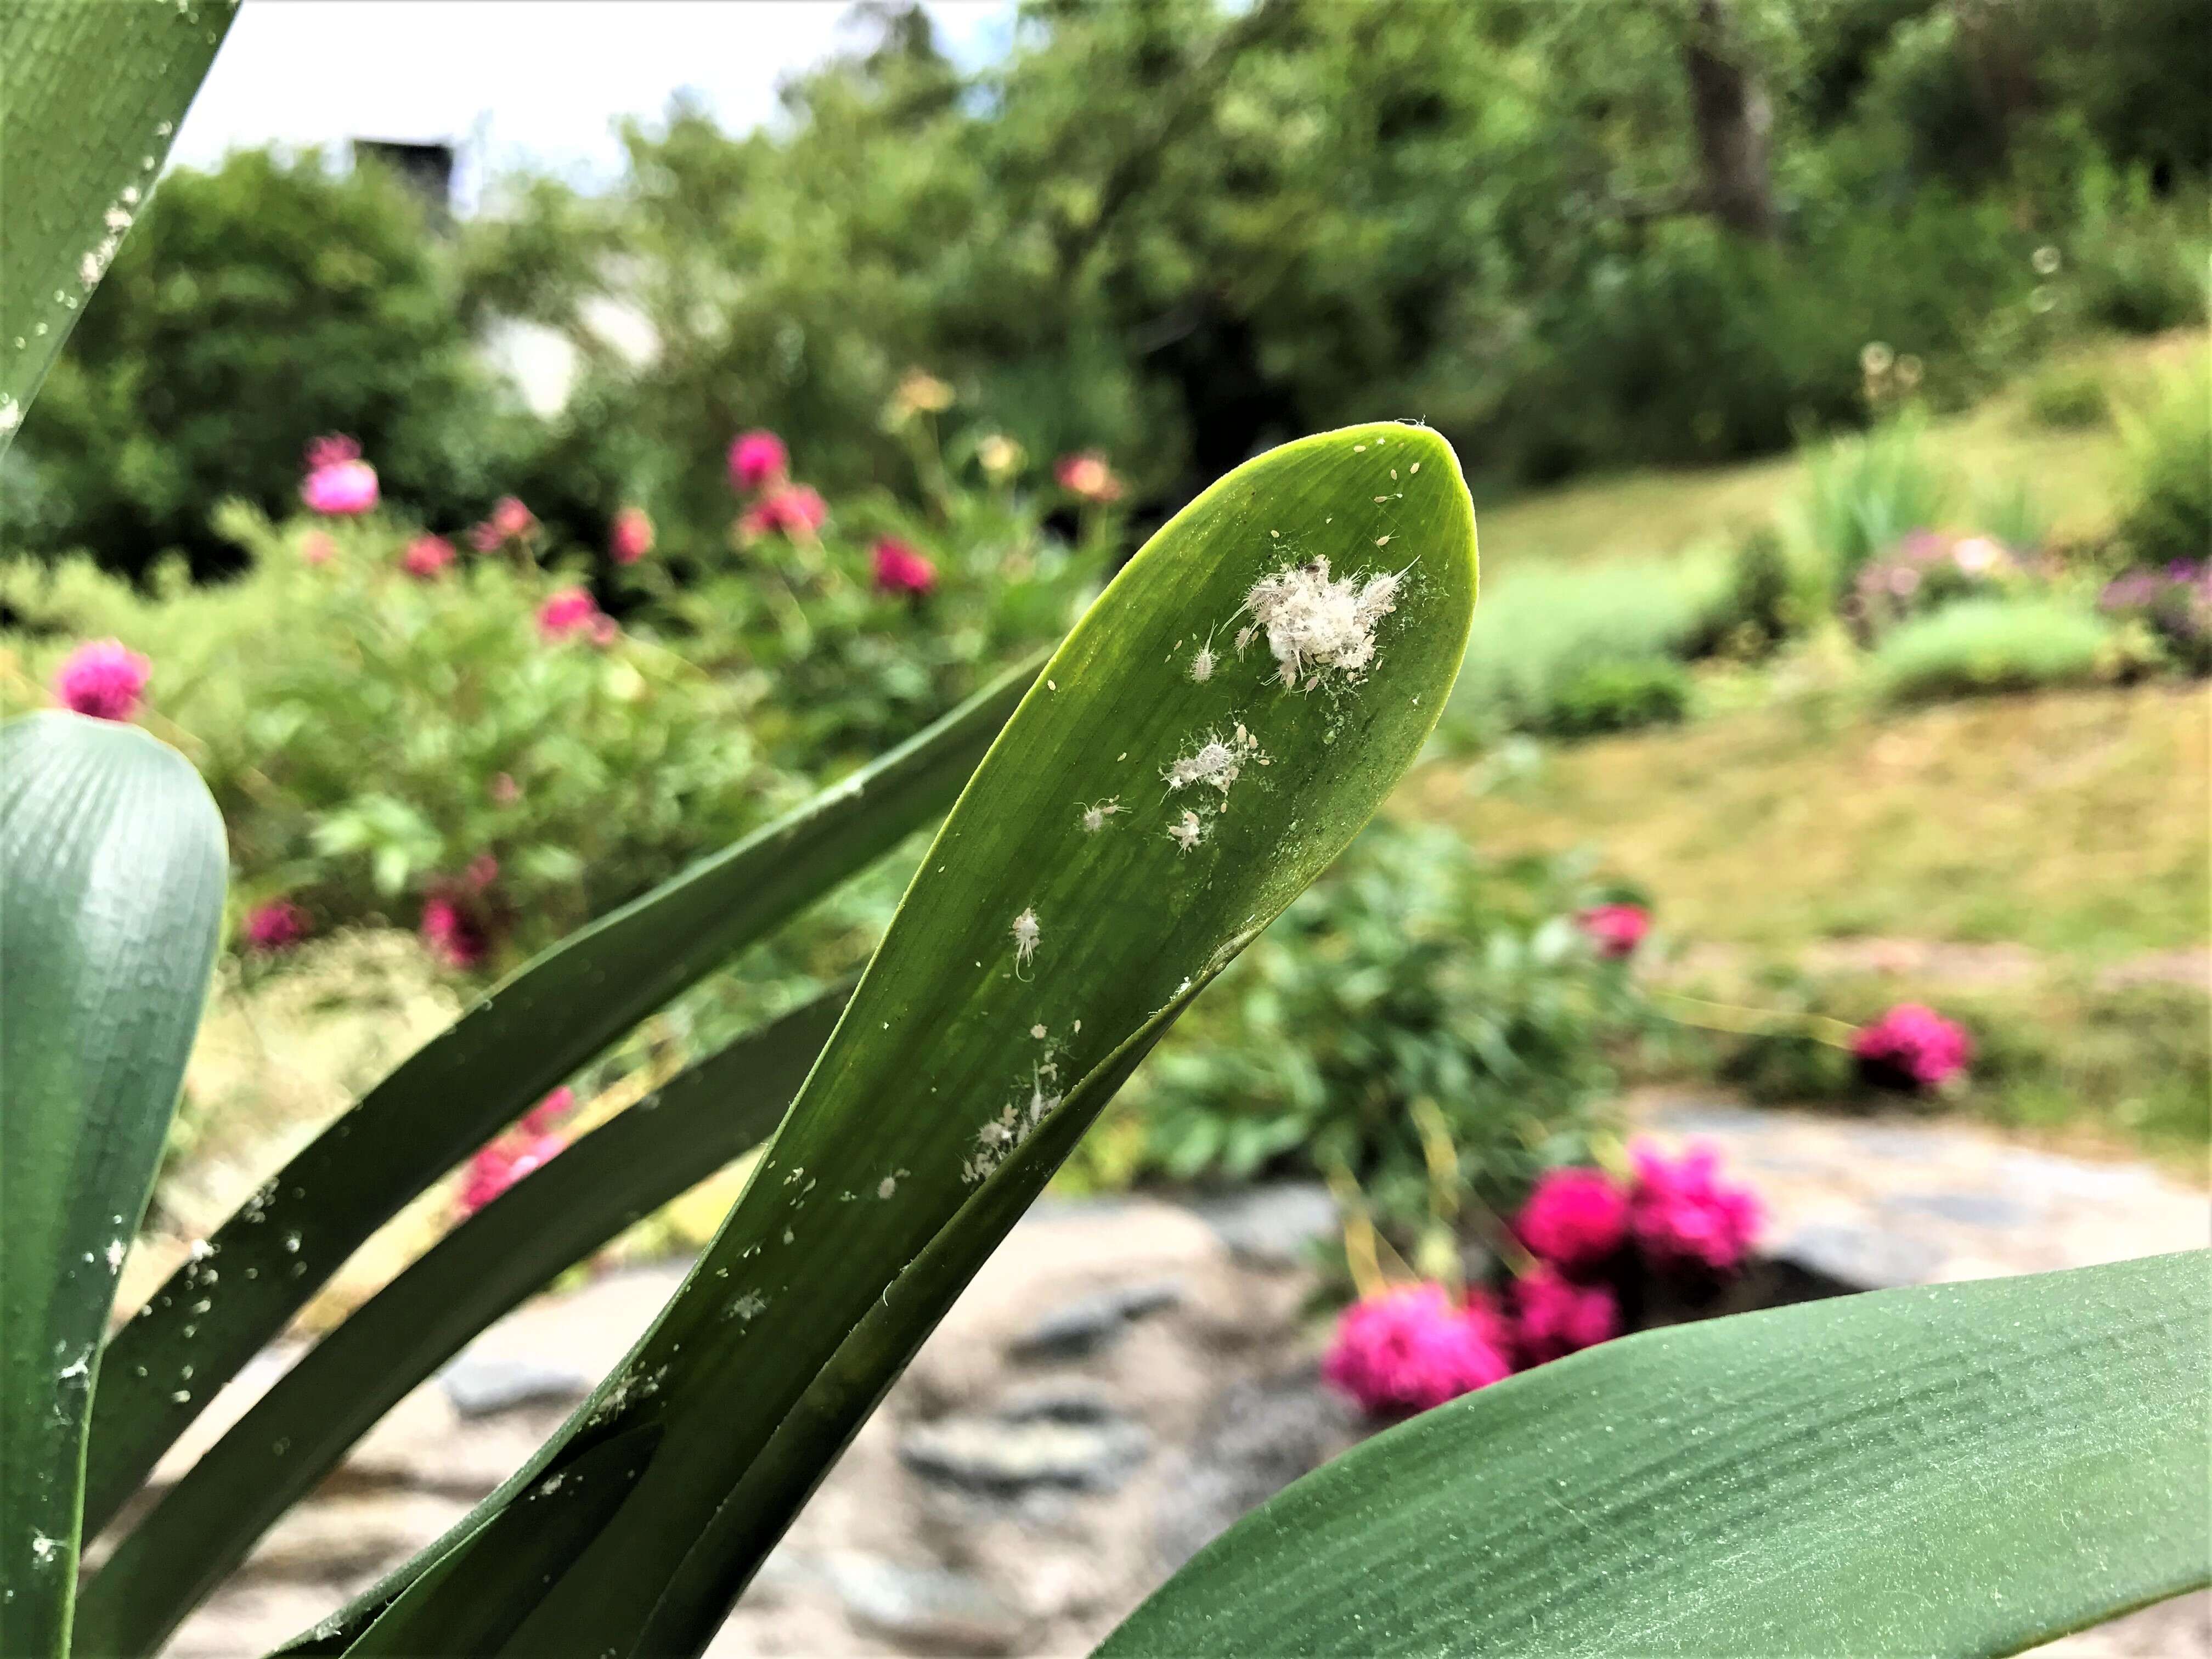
1043, 947
301, 1429
485, 1070
112, 879
90, 97
1961, 1469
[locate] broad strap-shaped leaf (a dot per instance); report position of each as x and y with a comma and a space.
90, 97
453, 1093
112, 868
1960, 1469
1209, 737
298, 1432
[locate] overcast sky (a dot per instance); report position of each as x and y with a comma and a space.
536, 82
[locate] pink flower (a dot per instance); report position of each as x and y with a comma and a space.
1555, 1316
757, 458
1616, 929
316, 548
510, 520
548, 1112
571, 611
338, 481
504, 789
483, 871
900, 570
426, 557
1912, 1046
277, 926
1681, 1212
1088, 475
631, 536
505, 1161
1413, 1347
1574, 1219
452, 936
794, 510
104, 679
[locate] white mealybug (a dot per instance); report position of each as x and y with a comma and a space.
1025, 931
1187, 833
1201, 665
1095, 815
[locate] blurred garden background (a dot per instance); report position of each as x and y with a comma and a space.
1831, 376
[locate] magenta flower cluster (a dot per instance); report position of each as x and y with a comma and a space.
102, 678
1912, 1048
1414, 1347
530, 1144
1615, 930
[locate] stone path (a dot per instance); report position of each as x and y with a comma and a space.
1122, 1380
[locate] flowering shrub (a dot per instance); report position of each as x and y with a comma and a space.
1912, 1048
1413, 972
813, 604
1596, 1245
277, 926
1925, 569
103, 678
370, 734
2173, 604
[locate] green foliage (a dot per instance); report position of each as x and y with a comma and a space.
1984, 645
2068, 396
2168, 516
1415, 972
252, 309
111, 855
1961, 1468
1863, 495
1547, 643
1764, 605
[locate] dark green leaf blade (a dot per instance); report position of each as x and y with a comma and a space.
548, 1018
90, 100
298, 1432
1042, 947
1962, 1469
112, 870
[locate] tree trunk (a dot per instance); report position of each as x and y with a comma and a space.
1729, 110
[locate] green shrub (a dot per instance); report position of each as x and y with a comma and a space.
1620, 696
1763, 605
1864, 494
1981, 645
1415, 971
2168, 512
2067, 396
253, 308
1538, 636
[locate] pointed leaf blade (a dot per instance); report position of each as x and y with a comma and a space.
1043, 946
112, 869
1961, 1469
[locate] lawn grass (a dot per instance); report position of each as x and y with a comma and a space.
2070, 821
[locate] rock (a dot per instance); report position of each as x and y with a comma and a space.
926, 1608
1088, 1324
1271, 1226
484, 1387
1000, 1455
1257, 1439
1868, 1258
1974, 1209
